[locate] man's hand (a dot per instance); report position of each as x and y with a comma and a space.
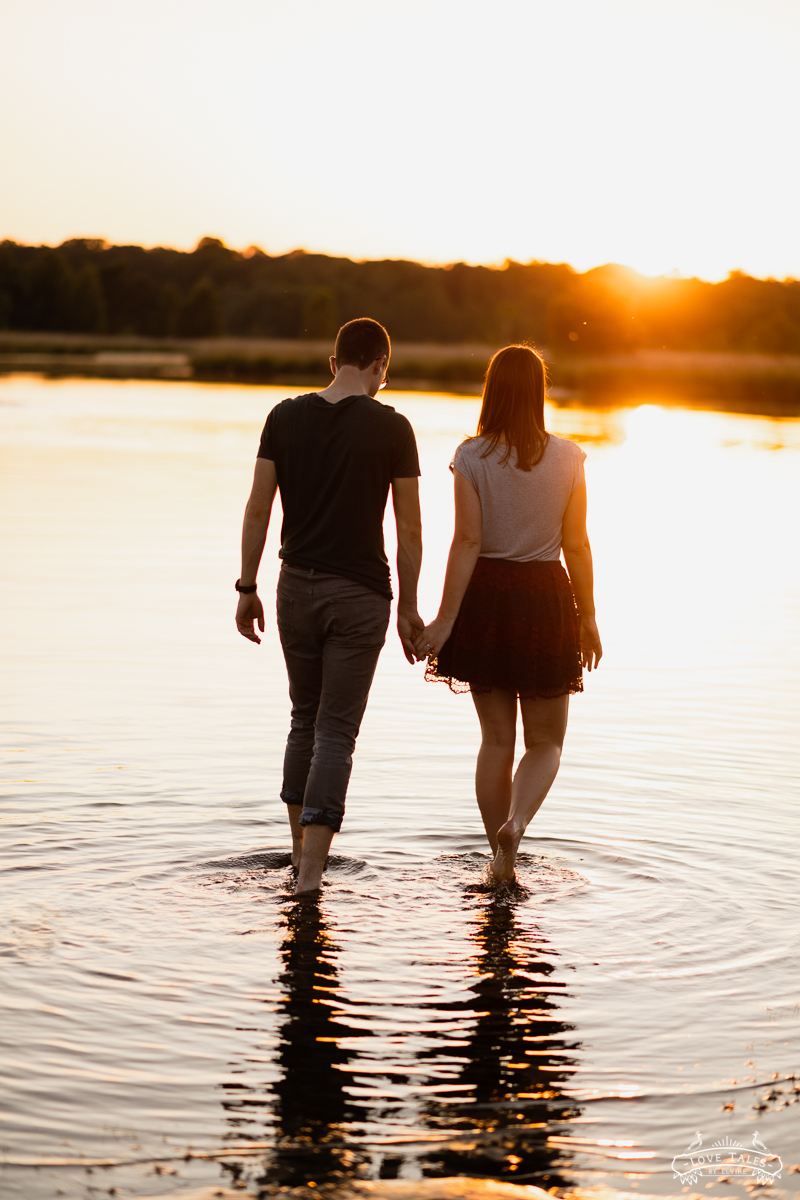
405, 499
409, 627
254, 534
248, 611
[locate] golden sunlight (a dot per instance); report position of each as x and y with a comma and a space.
655, 135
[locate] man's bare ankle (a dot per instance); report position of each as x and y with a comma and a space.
305, 887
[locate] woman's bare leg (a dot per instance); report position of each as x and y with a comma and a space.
544, 723
497, 713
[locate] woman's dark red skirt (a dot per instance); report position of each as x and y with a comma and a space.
518, 629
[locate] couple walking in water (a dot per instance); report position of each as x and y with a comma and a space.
513, 627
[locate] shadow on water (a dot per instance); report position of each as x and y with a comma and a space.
515, 1062
506, 1098
309, 1108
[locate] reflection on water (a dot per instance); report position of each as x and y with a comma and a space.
309, 1109
514, 1060
503, 1099
165, 1004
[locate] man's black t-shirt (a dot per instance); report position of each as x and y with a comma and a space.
334, 464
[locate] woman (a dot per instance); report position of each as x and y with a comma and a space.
512, 624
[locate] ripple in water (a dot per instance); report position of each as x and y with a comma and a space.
167, 1006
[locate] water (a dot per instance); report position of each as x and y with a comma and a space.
170, 1017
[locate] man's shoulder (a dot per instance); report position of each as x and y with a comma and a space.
378, 411
297, 401
291, 404
378, 407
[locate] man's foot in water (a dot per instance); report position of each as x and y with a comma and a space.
308, 883
316, 844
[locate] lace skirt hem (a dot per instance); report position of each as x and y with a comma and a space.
518, 629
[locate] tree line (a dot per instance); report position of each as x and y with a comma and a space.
88, 286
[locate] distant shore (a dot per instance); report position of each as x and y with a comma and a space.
752, 383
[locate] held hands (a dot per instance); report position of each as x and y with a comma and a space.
409, 627
432, 638
248, 611
591, 649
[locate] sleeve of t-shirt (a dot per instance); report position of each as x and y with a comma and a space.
266, 448
462, 461
578, 459
405, 460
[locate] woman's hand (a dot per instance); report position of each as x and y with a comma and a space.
591, 648
433, 637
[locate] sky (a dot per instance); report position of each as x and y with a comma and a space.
661, 135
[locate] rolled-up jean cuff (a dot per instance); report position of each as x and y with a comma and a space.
290, 797
321, 816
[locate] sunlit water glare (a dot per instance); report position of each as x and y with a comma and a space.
163, 996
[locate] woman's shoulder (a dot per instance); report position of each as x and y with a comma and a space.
468, 458
470, 448
476, 442
565, 448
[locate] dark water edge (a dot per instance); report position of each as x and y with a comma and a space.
756, 384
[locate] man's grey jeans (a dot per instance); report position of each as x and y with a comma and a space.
332, 631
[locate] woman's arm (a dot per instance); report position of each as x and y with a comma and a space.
578, 557
464, 551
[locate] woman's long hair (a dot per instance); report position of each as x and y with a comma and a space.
512, 412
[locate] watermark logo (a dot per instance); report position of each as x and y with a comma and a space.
727, 1158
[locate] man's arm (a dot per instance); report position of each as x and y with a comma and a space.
254, 534
405, 500
464, 552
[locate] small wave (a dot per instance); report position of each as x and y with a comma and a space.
538, 877
260, 860
278, 860
340, 864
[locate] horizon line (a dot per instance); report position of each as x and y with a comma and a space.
252, 250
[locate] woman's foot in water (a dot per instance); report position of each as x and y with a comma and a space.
508, 840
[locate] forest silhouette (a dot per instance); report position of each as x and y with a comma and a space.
88, 286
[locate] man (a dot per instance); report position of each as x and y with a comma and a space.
334, 454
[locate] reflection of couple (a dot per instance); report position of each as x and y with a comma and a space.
512, 625
492, 1097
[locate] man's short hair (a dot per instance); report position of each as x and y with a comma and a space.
360, 342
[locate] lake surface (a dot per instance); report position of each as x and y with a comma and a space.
170, 1017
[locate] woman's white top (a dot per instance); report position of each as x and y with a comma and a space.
522, 510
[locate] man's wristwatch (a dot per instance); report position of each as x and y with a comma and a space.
245, 590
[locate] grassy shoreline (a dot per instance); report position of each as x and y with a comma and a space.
754, 383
